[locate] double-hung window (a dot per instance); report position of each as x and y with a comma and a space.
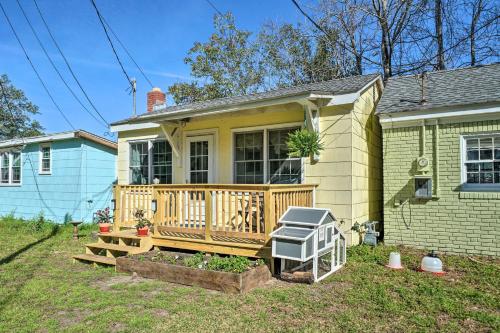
481, 156
45, 159
150, 162
262, 157
10, 168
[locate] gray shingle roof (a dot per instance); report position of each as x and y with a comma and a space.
458, 87
337, 86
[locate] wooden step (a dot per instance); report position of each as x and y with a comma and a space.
96, 259
116, 247
122, 234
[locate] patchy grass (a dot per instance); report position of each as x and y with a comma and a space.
42, 291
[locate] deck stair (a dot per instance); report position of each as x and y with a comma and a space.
111, 245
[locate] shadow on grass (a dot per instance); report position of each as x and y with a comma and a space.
13, 255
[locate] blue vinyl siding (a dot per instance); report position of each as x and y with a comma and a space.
80, 182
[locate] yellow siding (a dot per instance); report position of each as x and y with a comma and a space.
349, 171
223, 124
367, 160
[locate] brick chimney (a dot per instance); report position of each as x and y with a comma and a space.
155, 96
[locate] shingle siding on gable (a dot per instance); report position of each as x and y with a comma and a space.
455, 222
80, 172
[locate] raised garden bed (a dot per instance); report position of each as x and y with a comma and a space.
234, 275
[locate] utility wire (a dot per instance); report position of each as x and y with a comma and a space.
68, 64
55, 68
111, 43
34, 68
126, 51
213, 6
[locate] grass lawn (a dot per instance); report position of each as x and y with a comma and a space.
41, 290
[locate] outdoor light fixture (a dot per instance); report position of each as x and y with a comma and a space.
113, 204
154, 205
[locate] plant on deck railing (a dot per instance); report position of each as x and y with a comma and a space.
304, 143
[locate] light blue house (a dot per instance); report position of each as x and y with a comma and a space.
64, 176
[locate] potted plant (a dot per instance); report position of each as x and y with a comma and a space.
143, 224
304, 143
103, 219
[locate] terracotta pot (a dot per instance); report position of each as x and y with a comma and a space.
104, 227
142, 232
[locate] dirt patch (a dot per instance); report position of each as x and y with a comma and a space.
117, 327
71, 317
133, 279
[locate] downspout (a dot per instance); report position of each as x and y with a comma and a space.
436, 149
422, 139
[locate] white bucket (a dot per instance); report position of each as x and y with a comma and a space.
394, 261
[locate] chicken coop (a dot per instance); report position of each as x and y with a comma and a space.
308, 243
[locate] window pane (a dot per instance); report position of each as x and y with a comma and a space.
472, 178
472, 149
486, 177
497, 148
472, 167
486, 145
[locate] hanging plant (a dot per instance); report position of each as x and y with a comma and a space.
304, 143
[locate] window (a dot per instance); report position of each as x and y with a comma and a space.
139, 163
198, 160
5, 168
45, 159
10, 168
249, 158
482, 161
162, 162
282, 169
263, 157
150, 160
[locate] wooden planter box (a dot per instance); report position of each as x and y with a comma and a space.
233, 283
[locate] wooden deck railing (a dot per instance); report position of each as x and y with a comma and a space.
211, 213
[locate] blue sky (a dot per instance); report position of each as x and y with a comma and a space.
158, 33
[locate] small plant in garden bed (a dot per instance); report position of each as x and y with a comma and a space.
232, 264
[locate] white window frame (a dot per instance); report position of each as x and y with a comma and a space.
265, 129
10, 167
40, 160
463, 160
150, 158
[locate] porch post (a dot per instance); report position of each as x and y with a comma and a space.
117, 216
208, 215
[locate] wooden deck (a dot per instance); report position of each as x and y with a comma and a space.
225, 219
219, 218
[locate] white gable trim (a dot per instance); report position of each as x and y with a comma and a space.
406, 119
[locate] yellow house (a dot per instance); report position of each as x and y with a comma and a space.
216, 176
242, 140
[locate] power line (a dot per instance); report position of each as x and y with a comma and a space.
68, 64
54, 66
215, 8
33, 67
111, 43
127, 52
